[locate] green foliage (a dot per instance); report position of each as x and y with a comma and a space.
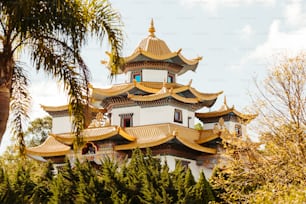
38, 131
53, 34
142, 179
198, 126
272, 171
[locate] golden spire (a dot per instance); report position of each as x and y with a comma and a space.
152, 29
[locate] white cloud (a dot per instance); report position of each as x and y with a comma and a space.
214, 5
247, 31
278, 42
294, 14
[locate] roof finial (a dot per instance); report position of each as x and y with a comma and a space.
152, 29
225, 100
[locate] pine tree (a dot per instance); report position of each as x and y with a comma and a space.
23, 186
6, 193
203, 190
42, 193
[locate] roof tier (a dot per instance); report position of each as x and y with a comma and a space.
155, 50
136, 137
51, 147
225, 110
153, 91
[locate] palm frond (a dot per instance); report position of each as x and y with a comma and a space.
59, 60
104, 20
20, 104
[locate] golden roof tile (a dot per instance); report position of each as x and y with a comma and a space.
206, 136
50, 147
153, 135
224, 110
90, 134
112, 91
195, 146
204, 96
156, 49
151, 97
184, 99
157, 91
54, 108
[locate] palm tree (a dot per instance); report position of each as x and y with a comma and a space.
52, 32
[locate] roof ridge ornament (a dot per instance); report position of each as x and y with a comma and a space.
152, 29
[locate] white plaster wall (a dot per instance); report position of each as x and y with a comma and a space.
115, 118
195, 169
61, 124
152, 115
229, 125
164, 114
154, 75
128, 77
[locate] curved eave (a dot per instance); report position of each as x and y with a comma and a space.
247, 117
54, 108
196, 146
151, 97
207, 136
161, 57
66, 138
51, 147
125, 135
136, 144
101, 133
176, 57
184, 99
157, 96
113, 91
90, 134
205, 96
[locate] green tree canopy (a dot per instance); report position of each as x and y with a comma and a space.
38, 131
142, 179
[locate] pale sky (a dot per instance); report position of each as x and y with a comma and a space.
238, 40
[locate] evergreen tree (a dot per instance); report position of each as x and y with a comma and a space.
6, 193
203, 191
42, 192
22, 184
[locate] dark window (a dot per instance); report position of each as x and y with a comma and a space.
136, 76
238, 130
178, 116
126, 120
89, 148
170, 78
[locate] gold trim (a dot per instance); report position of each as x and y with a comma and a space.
247, 117
134, 145
185, 100
50, 147
142, 87
151, 97
54, 108
196, 146
170, 55
207, 136
204, 96
114, 90
125, 135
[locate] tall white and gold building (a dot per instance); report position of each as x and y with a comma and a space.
151, 110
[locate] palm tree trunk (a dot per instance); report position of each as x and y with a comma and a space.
4, 109
5, 92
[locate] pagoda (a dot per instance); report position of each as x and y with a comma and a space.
151, 110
